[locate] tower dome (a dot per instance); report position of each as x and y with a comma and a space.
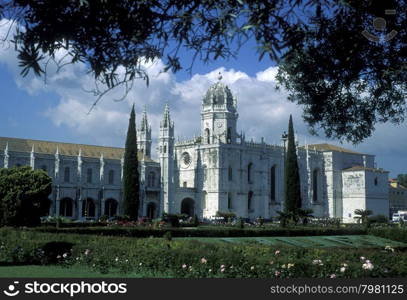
219, 94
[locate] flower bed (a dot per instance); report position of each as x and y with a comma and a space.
190, 258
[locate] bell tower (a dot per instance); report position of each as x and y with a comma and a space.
144, 135
219, 115
166, 156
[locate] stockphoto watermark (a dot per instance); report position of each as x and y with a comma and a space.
380, 25
72, 288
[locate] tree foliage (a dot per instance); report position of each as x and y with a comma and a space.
345, 82
23, 196
362, 215
131, 183
402, 179
292, 187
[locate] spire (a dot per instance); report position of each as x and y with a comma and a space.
80, 162
57, 152
144, 122
102, 167
6, 156
32, 157
167, 118
220, 76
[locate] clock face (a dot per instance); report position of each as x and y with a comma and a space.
186, 159
220, 125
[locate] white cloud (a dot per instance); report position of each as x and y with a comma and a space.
267, 75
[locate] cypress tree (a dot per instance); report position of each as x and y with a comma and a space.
131, 185
292, 188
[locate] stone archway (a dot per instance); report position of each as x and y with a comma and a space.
111, 207
88, 208
188, 207
151, 210
66, 207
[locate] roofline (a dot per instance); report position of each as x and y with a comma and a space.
67, 143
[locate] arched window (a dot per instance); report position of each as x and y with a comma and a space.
151, 179
205, 172
151, 210
67, 174
188, 207
207, 136
273, 183
204, 199
165, 149
111, 177
376, 181
249, 173
230, 173
89, 173
229, 201
229, 136
315, 184
250, 200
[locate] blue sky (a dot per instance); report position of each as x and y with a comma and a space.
57, 110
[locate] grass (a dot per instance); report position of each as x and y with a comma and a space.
34, 271
347, 241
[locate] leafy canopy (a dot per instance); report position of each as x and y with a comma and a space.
345, 82
23, 196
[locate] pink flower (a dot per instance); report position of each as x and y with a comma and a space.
252, 268
332, 276
342, 269
87, 251
277, 273
204, 260
362, 258
277, 252
184, 266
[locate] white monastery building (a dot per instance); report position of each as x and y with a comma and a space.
217, 171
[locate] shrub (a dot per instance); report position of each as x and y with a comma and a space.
23, 196
54, 251
392, 233
382, 219
227, 216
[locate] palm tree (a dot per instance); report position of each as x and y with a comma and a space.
305, 214
362, 215
284, 217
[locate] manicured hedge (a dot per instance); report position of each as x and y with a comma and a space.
393, 233
205, 232
191, 258
73, 224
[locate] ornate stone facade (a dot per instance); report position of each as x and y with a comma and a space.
218, 171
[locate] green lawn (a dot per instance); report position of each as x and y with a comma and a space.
348, 241
32, 271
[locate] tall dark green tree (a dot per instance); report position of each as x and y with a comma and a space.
292, 188
402, 179
131, 183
